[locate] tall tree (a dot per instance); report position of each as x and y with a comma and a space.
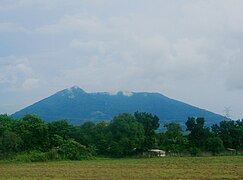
7, 123
101, 139
231, 133
214, 145
34, 132
198, 132
10, 143
61, 129
150, 124
174, 140
127, 135
86, 133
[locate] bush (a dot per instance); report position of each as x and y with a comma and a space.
53, 154
194, 151
33, 156
215, 145
72, 150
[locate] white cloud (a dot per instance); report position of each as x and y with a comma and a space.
234, 76
9, 5
182, 48
53, 6
91, 46
16, 74
8, 27
30, 84
73, 23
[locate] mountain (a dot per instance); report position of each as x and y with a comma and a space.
76, 106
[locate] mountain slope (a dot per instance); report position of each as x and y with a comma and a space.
77, 106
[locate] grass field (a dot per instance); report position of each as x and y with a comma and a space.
225, 167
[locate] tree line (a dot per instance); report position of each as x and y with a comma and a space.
32, 139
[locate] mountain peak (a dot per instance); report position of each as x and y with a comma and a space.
75, 89
125, 93
72, 92
77, 106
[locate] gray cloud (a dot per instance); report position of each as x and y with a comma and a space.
73, 23
11, 27
17, 75
189, 50
234, 78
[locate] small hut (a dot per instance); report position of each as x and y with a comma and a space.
231, 151
156, 152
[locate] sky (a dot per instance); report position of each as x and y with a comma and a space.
190, 50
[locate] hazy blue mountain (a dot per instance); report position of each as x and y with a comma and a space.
77, 106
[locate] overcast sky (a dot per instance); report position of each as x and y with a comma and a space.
190, 50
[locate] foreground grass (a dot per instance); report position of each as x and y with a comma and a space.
153, 168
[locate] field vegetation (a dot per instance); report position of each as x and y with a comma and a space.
31, 148
31, 139
213, 167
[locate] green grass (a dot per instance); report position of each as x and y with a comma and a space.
222, 167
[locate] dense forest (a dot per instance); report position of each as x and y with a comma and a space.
32, 139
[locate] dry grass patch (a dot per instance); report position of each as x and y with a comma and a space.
154, 168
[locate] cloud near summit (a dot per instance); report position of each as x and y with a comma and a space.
180, 48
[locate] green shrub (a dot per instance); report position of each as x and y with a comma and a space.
33, 156
52, 154
215, 145
194, 151
72, 150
